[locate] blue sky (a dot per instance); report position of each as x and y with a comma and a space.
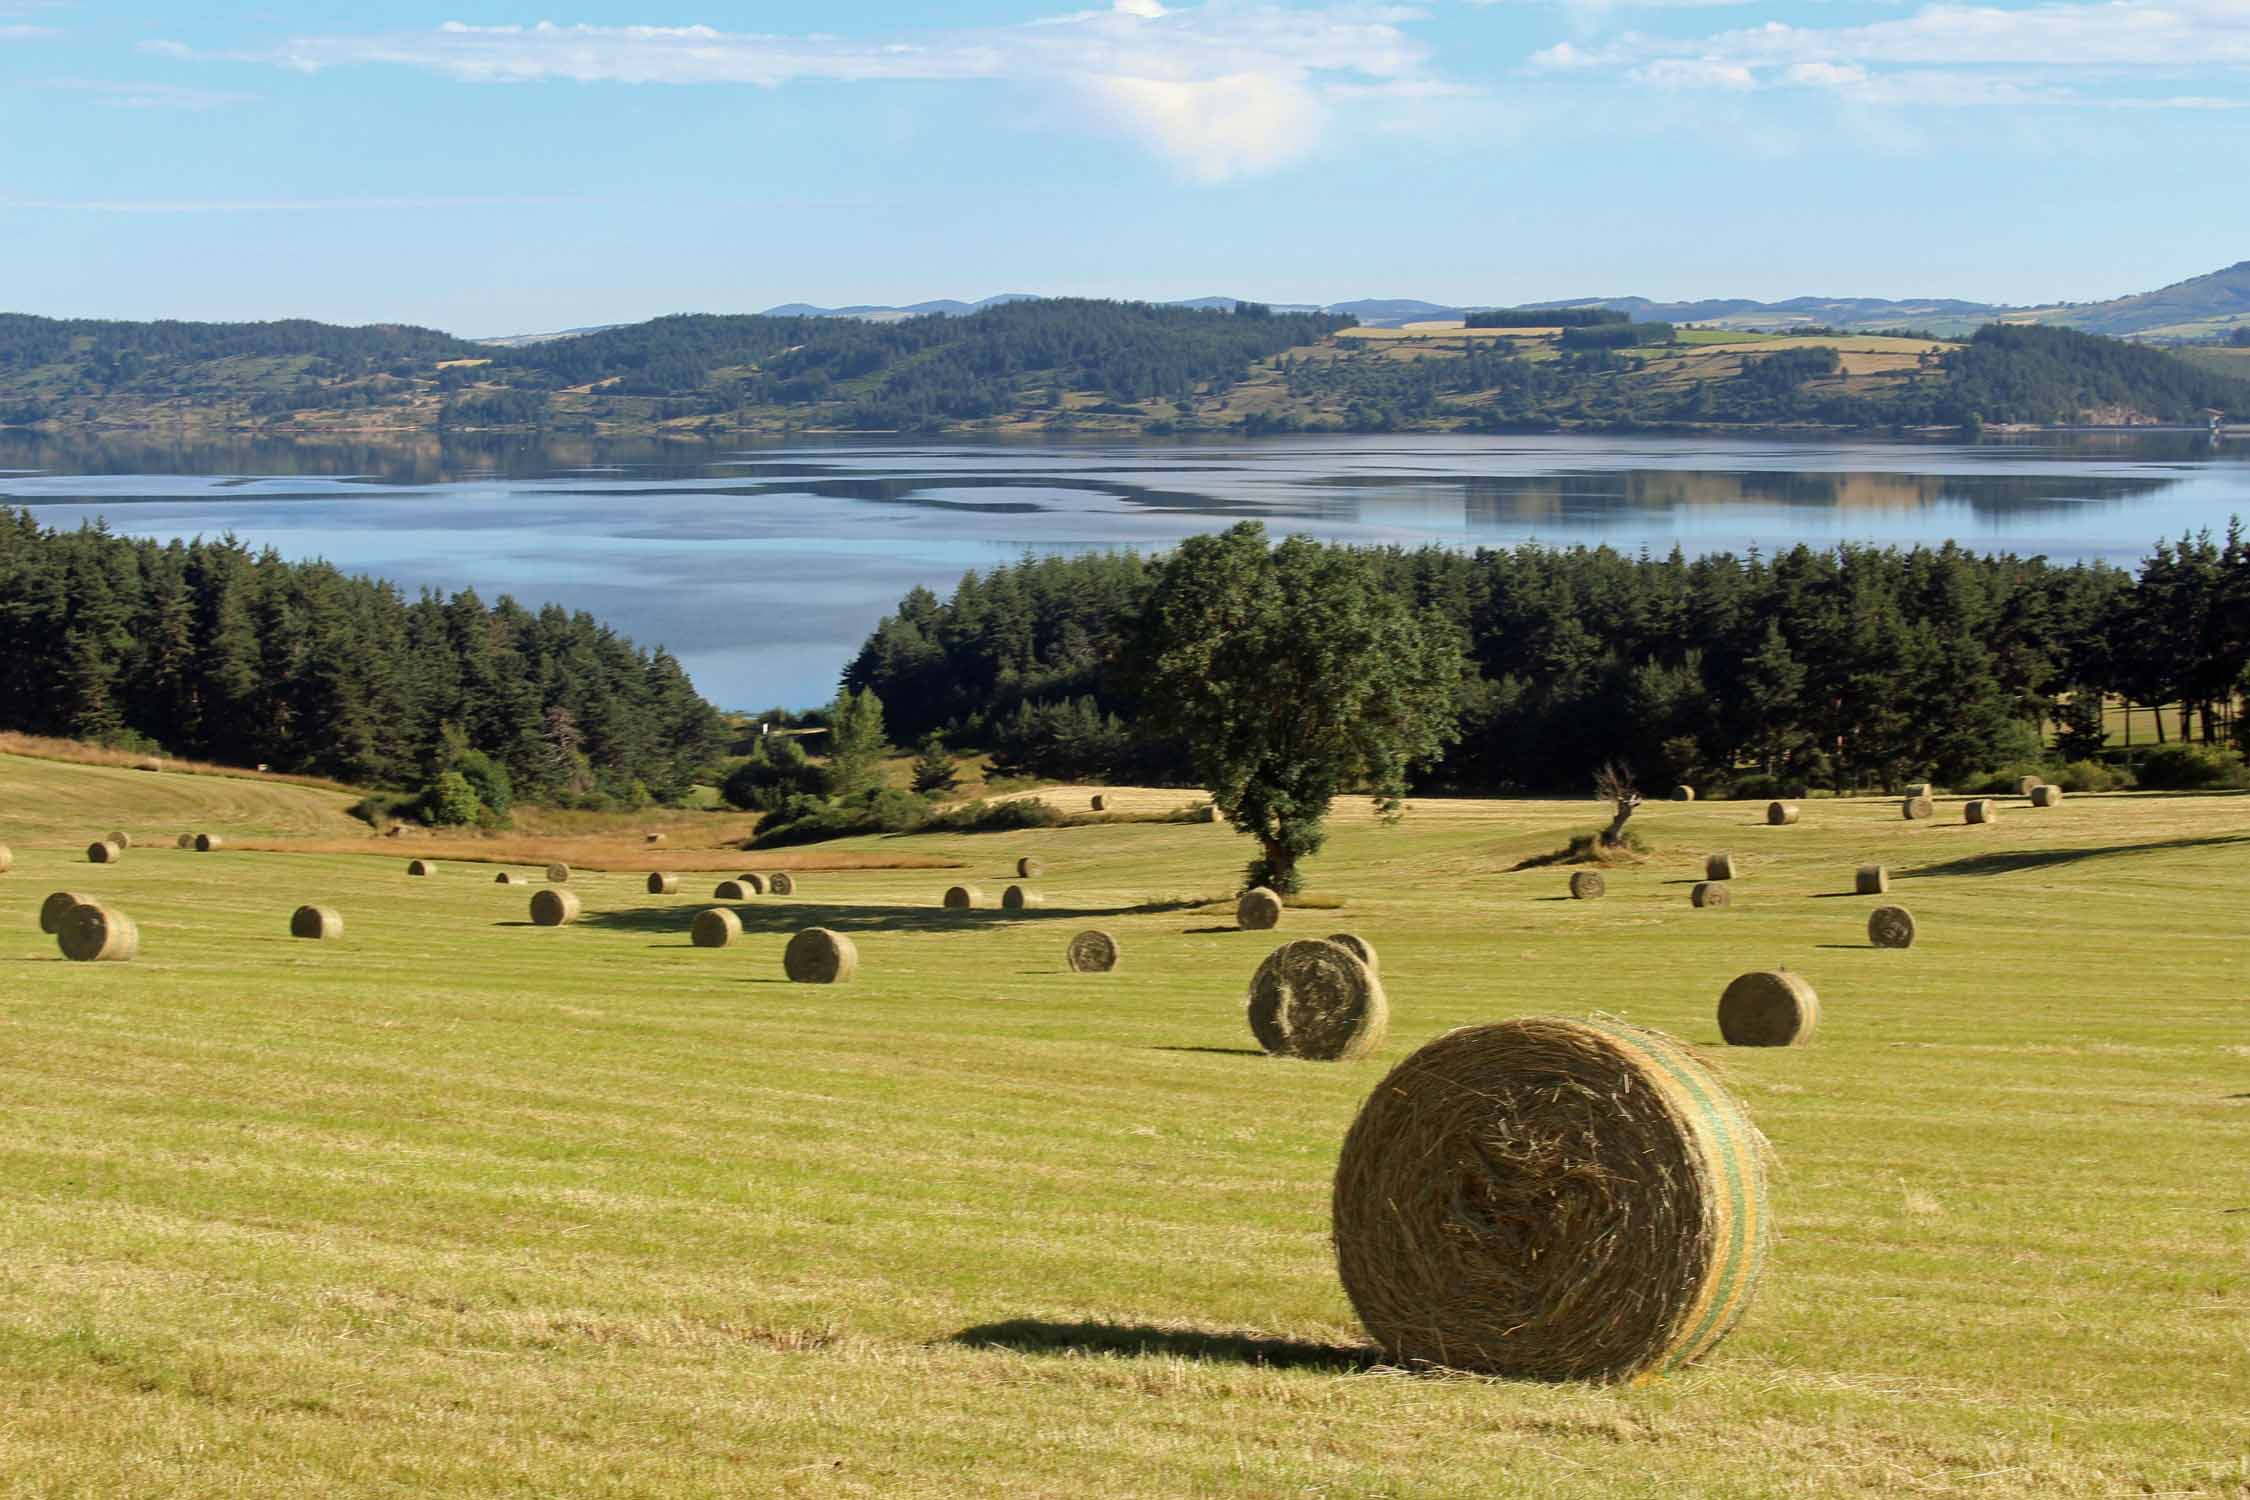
497, 166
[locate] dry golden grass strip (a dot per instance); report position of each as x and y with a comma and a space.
1314, 999
1768, 1008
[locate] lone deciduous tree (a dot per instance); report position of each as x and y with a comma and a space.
1294, 673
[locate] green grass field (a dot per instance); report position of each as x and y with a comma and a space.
462, 1206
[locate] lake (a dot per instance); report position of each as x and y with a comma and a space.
763, 567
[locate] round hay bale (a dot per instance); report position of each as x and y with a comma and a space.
1259, 910
558, 874
730, 890
1981, 810
93, 933
320, 923
1314, 999
1550, 1199
2026, 785
1768, 1008
1092, 952
1917, 806
1719, 867
122, 840
652, 838
1585, 885
752, 882
1890, 927
661, 884
1028, 868
148, 765
552, 908
509, 877
960, 898
1781, 814
1101, 804
420, 867
56, 907
2046, 796
1712, 893
1016, 898
715, 928
206, 842
781, 883
1358, 947
1871, 880
1207, 813
7, 859
818, 956
184, 841
1683, 794
103, 852
1920, 789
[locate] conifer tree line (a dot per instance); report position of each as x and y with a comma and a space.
206, 649
1852, 667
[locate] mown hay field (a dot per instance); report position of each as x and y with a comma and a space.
455, 1204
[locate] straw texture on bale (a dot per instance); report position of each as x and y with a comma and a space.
56, 907
1585, 885
103, 852
2046, 796
962, 897
1101, 804
1092, 952
1982, 810
1551, 1199
1781, 814
1890, 927
781, 883
661, 884
1358, 947
1768, 1008
1028, 868
320, 923
553, 908
754, 882
1719, 867
1917, 806
420, 867
184, 841
730, 890
121, 839
1259, 910
1683, 794
1711, 893
715, 928
507, 877
1016, 898
2026, 785
818, 956
1871, 880
206, 842
1314, 999
558, 874
93, 933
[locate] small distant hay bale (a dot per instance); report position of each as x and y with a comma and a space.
558, 874
148, 765
1092, 952
1917, 806
206, 842
7, 859
555, 908
1683, 793
1768, 1008
1585, 885
1712, 893
730, 890
1358, 947
1101, 804
395, 831
1920, 789
56, 907
1016, 898
103, 852
1314, 999
1207, 813
715, 928
1551, 1199
509, 877
781, 883
320, 923
2026, 785
121, 839
1890, 927
818, 956
1028, 868
1871, 880
661, 884
753, 882
1719, 867
420, 867
1981, 810
1781, 814
652, 838
1259, 910
962, 897
2046, 796
93, 933
184, 841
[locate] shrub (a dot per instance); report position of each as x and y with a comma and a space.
2089, 776
377, 809
449, 801
489, 780
775, 772
2182, 768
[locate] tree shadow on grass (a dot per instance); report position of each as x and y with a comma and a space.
772, 915
2011, 861
1848, 947
1202, 931
1140, 1341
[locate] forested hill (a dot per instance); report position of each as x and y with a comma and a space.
1070, 365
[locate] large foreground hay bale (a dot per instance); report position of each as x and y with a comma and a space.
1585, 885
56, 907
1314, 999
553, 908
2026, 785
1683, 794
1028, 868
121, 839
1711, 893
206, 842
730, 890
93, 933
1016, 898
103, 852
960, 898
558, 874
1871, 880
420, 867
715, 928
2046, 796
753, 882
661, 884
1917, 806
320, 923
1358, 947
1259, 910
818, 956
1781, 814
1552, 1200
1890, 927
1719, 867
1092, 952
1981, 810
781, 883
1768, 1008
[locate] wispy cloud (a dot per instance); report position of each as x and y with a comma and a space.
1219, 89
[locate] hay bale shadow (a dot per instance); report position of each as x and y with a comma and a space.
1848, 947
769, 915
1144, 1341
1216, 1051
2011, 861
1202, 931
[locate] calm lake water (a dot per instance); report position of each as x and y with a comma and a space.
764, 567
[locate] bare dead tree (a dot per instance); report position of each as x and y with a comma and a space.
1614, 784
